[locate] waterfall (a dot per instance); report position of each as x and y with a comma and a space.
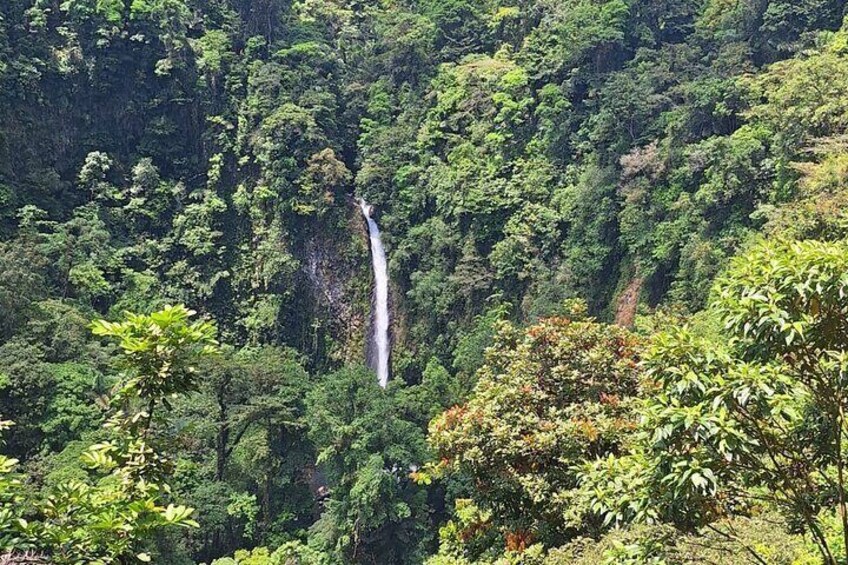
380, 317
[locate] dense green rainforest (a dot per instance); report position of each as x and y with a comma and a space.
617, 238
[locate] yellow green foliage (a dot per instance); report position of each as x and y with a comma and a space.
548, 398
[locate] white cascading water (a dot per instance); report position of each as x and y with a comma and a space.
381, 297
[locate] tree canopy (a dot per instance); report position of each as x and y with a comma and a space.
615, 233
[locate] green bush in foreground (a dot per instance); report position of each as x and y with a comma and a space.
125, 500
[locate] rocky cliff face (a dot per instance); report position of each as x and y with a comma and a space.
336, 274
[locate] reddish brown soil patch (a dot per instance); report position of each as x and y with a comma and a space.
628, 302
